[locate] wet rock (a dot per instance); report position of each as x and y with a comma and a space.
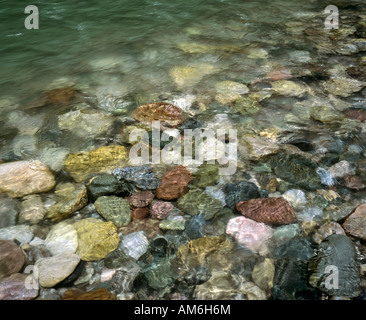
86, 122
71, 198
21, 178
12, 258
310, 214
53, 270
354, 182
248, 232
160, 209
275, 211
54, 158
336, 253
173, 223
216, 193
197, 201
167, 113
82, 164
287, 231
341, 169
326, 230
252, 147
296, 198
185, 76
22, 233
356, 114
140, 213
141, 199
355, 223
241, 191
267, 181
123, 279
97, 294
291, 275
174, 184
263, 274
246, 106
229, 91
196, 226
297, 170
62, 238
140, 177
326, 177
207, 175
149, 226
159, 274
326, 114
107, 184
289, 88
343, 87
32, 210
96, 238
8, 212
135, 244
114, 209
15, 288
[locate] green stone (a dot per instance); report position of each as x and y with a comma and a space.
159, 275
114, 209
207, 175
172, 225
197, 201
246, 106
326, 114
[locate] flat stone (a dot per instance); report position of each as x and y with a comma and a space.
140, 177
354, 182
341, 169
12, 258
80, 165
248, 232
289, 88
185, 76
71, 198
21, 178
106, 184
15, 288
274, 211
96, 238
114, 209
62, 238
32, 210
355, 223
53, 270
176, 224
234, 193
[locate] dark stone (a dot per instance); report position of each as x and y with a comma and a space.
241, 191
195, 228
198, 276
117, 259
107, 184
73, 276
141, 177
12, 258
8, 212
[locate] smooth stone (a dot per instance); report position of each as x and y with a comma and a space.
15, 288
252, 147
123, 278
337, 251
71, 198
96, 238
263, 274
21, 178
354, 182
114, 209
32, 210
185, 76
53, 270
246, 105
80, 165
148, 225
327, 229
22, 233
310, 214
248, 232
54, 158
62, 238
8, 212
355, 223
135, 244
207, 175
86, 123
140, 213
12, 258
197, 201
216, 193
289, 88
326, 114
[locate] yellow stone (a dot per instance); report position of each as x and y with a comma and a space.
82, 164
263, 274
96, 238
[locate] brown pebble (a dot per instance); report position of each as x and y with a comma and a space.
353, 182
141, 199
140, 213
98, 294
12, 258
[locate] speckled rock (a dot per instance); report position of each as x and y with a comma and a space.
96, 238
174, 184
160, 274
197, 201
32, 210
71, 198
177, 223
140, 177
246, 106
195, 228
62, 238
289, 88
21, 178
12, 258
141, 199
148, 225
274, 211
242, 191
248, 232
102, 160
185, 76
53, 270
15, 288
326, 229
114, 209
326, 114
160, 209
355, 223
207, 175
343, 87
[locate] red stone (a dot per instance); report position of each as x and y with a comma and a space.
174, 184
141, 199
273, 211
160, 209
148, 225
12, 258
355, 223
140, 213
